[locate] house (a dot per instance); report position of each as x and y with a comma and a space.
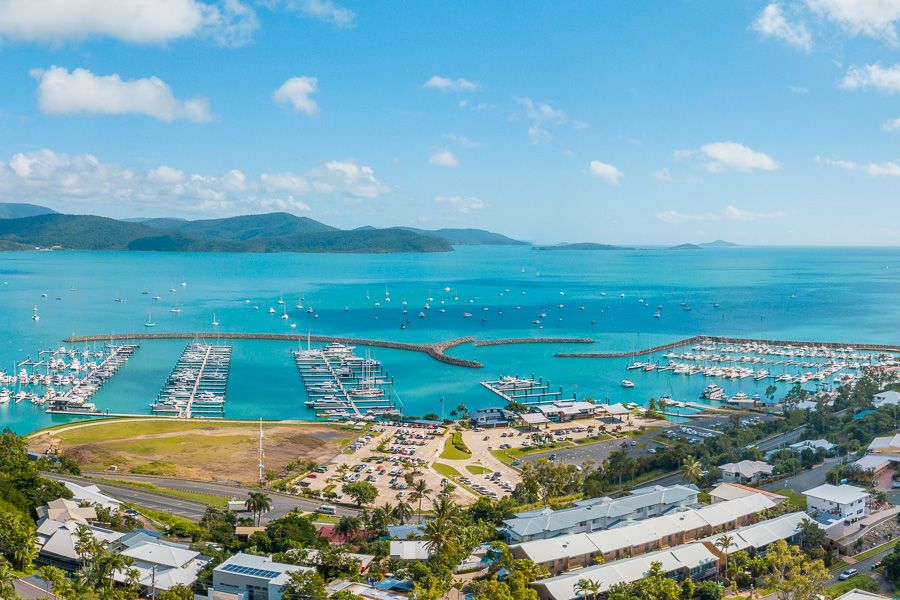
874, 462
814, 445
599, 513
366, 591
836, 502
364, 560
886, 398
857, 594
410, 549
731, 491
745, 471
159, 564
248, 577
63, 510
56, 541
492, 417
697, 561
405, 532
576, 550
886, 446
91, 494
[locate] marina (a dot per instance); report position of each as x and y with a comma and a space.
197, 384
342, 385
524, 390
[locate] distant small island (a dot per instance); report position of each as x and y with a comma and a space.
581, 246
30, 227
686, 247
719, 244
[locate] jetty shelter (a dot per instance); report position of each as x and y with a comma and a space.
599, 513
576, 550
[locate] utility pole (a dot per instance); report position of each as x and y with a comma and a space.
153, 584
260, 453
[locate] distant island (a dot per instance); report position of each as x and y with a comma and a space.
29, 227
719, 244
686, 247
581, 246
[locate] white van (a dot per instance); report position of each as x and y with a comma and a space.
327, 509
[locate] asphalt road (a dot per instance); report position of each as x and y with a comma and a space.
804, 480
281, 503
865, 566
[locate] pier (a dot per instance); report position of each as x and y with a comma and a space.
197, 384
523, 390
76, 399
436, 350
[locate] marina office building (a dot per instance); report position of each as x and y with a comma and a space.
698, 560
578, 550
599, 513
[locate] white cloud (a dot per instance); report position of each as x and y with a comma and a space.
729, 213
296, 91
443, 158
772, 23
872, 18
461, 204
798, 89
480, 107
133, 21
892, 125
461, 141
884, 169
542, 116
83, 183
323, 10
63, 93
445, 84
885, 79
606, 172
732, 155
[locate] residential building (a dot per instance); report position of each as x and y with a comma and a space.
697, 561
886, 446
56, 541
366, 591
63, 510
857, 594
745, 471
814, 445
410, 549
160, 565
874, 462
406, 532
754, 539
91, 494
492, 417
580, 549
836, 502
731, 491
251, 577
886, 398
599, 513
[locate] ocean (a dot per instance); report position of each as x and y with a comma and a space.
822, 294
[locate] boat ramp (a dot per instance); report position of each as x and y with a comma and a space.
197, 384
341, 385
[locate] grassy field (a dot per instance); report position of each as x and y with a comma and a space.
446, 470
794, 497
873, 551
862, 582
455, 448
477, 469
191, 449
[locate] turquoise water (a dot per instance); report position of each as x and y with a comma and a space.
847, 295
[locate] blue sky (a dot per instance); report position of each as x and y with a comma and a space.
619, 122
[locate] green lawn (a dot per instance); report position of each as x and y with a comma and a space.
455, 448
873, 551
794, 497
477, 469
446, 470
593, 439
209, 499
862, 582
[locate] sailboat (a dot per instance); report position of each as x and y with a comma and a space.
284, 314
215, 321
149, 322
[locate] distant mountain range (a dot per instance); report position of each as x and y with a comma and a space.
25, 226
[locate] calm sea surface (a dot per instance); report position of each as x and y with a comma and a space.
846, 295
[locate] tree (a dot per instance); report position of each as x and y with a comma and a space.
891, 564
362, 492
770, 392
708, 590
345, 595
7, 579
419, 492
258, 503
402, 512
17, 539
177, 592
440, 532
725, 542
687, 589
348, 527
691, 470
304, 585
792, 575
588, 586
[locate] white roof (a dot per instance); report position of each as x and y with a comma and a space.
887, 442
872, 461
839, 494
59, 537
642, 532
730, 491
760, 535
814, 444
747, 468
886, 397
63, 509
687, 556
616, 409
410, 549
534, 418
260, 563
857, 594
91, 494
160, 554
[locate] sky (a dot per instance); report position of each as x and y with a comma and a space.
656, 122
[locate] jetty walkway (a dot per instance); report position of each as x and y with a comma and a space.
729, 340
436, 350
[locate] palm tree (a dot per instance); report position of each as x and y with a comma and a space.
587, 585
7, 579
258, 503
403, 512
462, 410
348, 526
420, 491
440, 532
725, 542
691, 470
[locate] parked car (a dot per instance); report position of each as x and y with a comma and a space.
845, 575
